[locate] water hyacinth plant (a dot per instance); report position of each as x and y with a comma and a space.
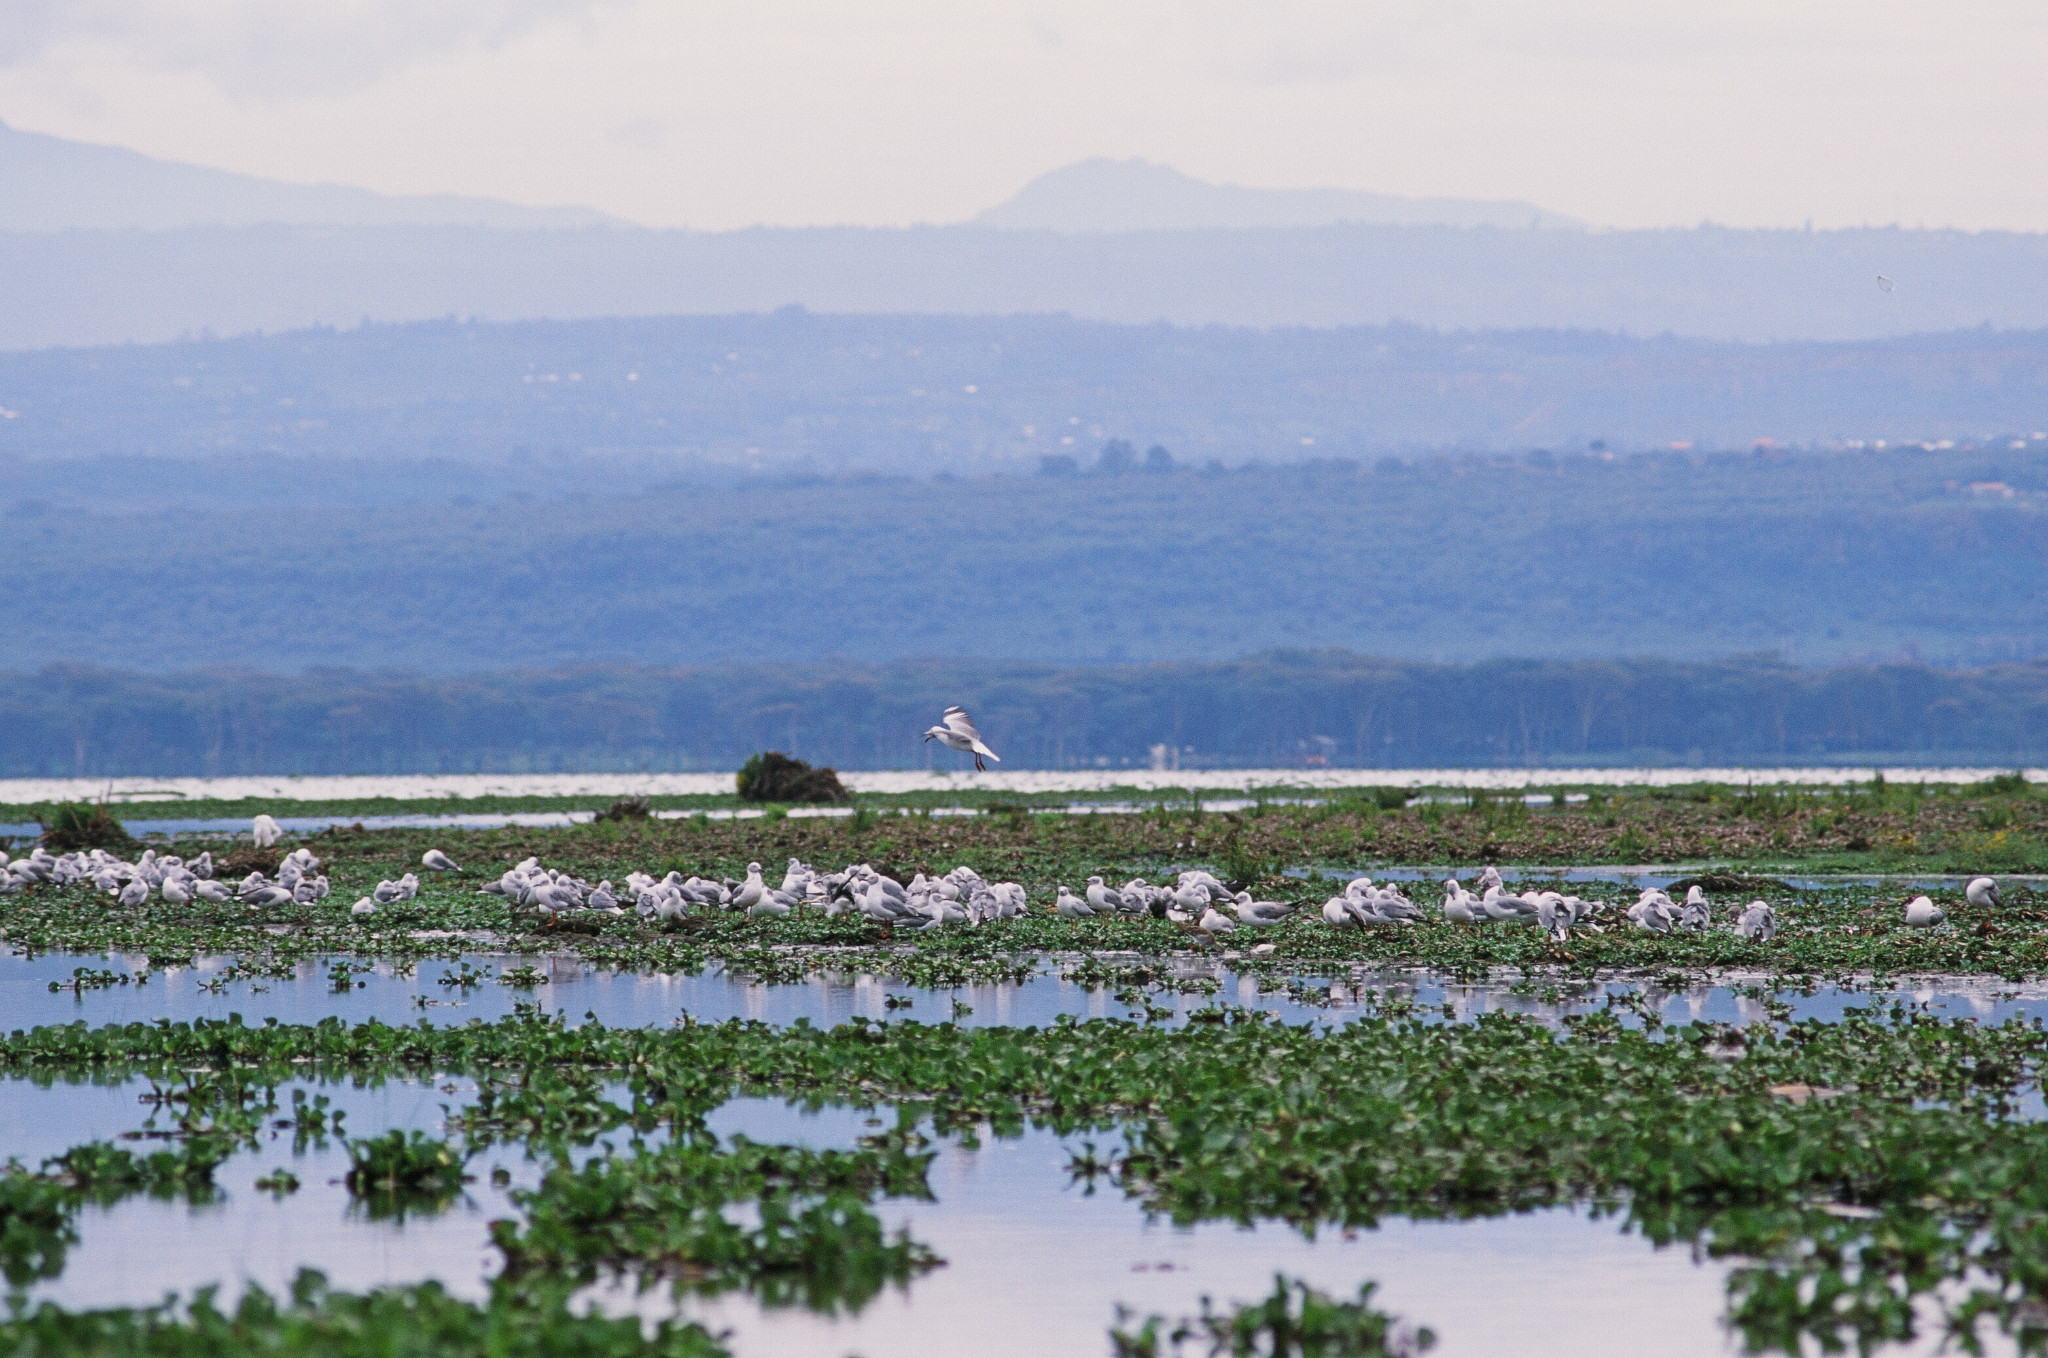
404, 1170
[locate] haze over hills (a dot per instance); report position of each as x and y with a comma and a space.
110, 287
104, 246
55, 184
58, 184
1138, 195
567, 558
626, 490
797, 392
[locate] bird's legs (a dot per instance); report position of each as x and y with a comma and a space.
979, 767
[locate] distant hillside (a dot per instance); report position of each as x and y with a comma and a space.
1938, 553
53, 184
88, 287
1137, 195
1277, 709
920, 394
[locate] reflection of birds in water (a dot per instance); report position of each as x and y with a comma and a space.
1883, 284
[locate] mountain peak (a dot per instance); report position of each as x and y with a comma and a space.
1141, 195
56, 184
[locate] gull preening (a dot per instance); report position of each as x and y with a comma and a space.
956, 732
1758, 922
265, 832
438, 861
1922, 913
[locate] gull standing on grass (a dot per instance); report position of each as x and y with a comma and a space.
1982, 892
751, 891
956, 732
1460, 905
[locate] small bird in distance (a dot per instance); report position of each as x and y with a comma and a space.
956, 732
1883, 284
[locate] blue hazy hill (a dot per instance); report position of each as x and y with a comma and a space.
1816, 556
918, 394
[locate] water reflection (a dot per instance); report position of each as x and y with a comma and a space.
1035, 1262
427, 992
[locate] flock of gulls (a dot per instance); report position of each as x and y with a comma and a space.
1197, 901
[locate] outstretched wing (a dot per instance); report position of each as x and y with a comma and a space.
962, 725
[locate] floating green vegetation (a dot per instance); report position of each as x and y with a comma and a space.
39, 1208
419, 1321
404, 1170
98, 978
1295, 1321
1859, 1176
663, 1214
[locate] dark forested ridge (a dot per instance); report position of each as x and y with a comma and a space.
1938, 553
1275, 709
920, 394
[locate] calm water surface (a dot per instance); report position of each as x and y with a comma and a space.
1035, 1263
626, 999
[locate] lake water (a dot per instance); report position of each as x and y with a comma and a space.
1035, 1264
635, 1000
612, 785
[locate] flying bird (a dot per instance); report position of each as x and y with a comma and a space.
956, 732
1884, 284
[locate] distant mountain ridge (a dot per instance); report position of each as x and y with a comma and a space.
101, 245
55, 184
102, 287
1139, 195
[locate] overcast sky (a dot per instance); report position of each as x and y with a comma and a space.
673, 112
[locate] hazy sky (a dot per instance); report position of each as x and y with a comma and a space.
1625, 112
